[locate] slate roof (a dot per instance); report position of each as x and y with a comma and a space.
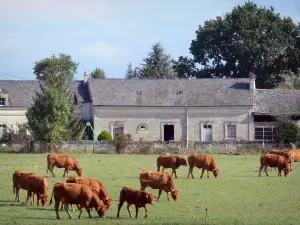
277, 101
21, 92
163, 92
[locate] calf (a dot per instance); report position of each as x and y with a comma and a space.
170, 161
83, 195
135, 197
159, 180
63, 161
274, 161
96, 186
205, 162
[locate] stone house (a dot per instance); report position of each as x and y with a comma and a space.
165, 109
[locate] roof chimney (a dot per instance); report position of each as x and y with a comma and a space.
252, 81
85, 77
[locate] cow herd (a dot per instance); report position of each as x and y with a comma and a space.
88, 193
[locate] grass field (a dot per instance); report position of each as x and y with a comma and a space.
238, 196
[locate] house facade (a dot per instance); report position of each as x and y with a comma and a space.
166, 109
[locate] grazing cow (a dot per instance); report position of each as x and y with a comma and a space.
96, 186
38, 185
20, 181
272, 160
205, 162
170, 161
296, 155
159, 180
83, 195
135, 197
63, 161
286, 154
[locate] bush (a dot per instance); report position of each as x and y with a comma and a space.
287, 131
121, 143
104, 136
144, 147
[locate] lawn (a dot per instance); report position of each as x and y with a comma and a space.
238, 196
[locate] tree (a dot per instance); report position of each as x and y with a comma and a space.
130, 72
51, 113
287, 131
248, 39
98, 73
185, 67
290, 81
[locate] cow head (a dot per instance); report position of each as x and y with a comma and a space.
175, 194
286, 171
216, 172
44, 199
107, 202
288, 156
101, 211
183, 162
79, 172
149, 198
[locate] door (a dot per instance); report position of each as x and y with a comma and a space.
207, 133
168, 132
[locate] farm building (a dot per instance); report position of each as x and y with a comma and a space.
166, 109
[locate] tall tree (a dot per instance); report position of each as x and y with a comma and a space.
98, 73
52, 109
185, 67
158, 64
248, 39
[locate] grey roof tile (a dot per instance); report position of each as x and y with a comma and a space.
163, 92
21, 92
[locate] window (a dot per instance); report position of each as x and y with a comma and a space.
2, 101
231, 131
142, 127
265, 133
118, 129
207, 132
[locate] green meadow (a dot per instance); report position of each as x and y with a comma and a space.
238, 196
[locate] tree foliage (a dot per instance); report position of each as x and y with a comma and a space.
50, 116
185, 67
248, 39
157, 65
98, 73
287, 131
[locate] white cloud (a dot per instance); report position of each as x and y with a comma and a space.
80, 9
103, 51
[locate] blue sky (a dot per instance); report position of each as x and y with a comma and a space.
105, 33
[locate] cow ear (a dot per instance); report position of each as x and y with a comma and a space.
146, 195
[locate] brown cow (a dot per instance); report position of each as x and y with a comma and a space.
286, 154
38, 185
83, 195
97, 187
20, 181
159, 180
205, 162
170, 161
63, 161
135, 197
272, 160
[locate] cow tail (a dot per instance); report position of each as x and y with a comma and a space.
51, 197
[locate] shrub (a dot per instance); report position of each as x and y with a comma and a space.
121, 143
144, 147
287, 131
104, 136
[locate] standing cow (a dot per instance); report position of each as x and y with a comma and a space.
159, 180
206, 162
272, 160
63, 161
170, 161
135, 197
96, 186
83, 195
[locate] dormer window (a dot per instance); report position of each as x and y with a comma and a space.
2, 101
139, 92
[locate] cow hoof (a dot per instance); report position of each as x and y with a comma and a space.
58, 218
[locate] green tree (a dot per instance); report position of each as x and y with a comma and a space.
131, 73
98, 73
290, 81
185, 67
50, 116
248, 39
287, 131
157, 65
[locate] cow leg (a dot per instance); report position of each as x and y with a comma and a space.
174, 171
62, 207
136, 211
163, 170
265, 168
146, 211
260, 168
17, 194
128, 209
56, 206
202, 173
119, 208
51, 170
67, 210
81, 210
89, 212
168, 196
65, 172
279, 172
158, 168
28, 196
159, 193
191, 172
207, 174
